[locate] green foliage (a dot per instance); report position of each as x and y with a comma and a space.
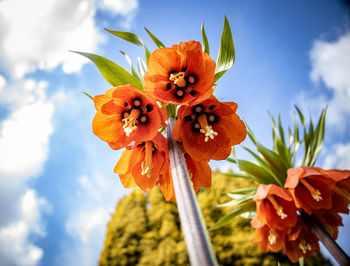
226, 56
145, 230
132, 38
272, 164
205, 40
155, 39
113, 73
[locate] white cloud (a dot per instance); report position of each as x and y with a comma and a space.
125, 8
2, 82
15, 247
37, 34
24, 135
338, 157
330, 64
24, 140
88, 218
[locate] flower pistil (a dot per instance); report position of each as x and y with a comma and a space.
205, 128
147, 164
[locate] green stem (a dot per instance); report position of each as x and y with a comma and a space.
199, 248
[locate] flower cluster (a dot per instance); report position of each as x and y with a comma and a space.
279, 223
134, 119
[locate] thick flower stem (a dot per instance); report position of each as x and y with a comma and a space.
196, 235
338, 254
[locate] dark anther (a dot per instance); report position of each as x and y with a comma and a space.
147, 108
179, 93
125, 114
197, 109
212, 118
143, 119
169, 86
137, 102
191, 79
211, 107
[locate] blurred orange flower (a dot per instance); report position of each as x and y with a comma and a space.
143, 165
267, 237
182, 74
311, 188
300, 243
209, 129
275, 207
126, 116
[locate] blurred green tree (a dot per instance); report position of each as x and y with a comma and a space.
145, 230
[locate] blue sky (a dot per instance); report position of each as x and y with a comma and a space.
57, 186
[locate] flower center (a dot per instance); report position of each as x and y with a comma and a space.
130, 121
147, 164
205, 128
315, 193
178, 79
278, 208
304, 246
272, 238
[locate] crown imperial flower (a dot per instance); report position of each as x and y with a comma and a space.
182, 74
209, 129
126, 116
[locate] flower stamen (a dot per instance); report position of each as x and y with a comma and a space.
272, 238
205, 128
178, 79
147, 164
130, 122
304, 246
315, 193
278, 208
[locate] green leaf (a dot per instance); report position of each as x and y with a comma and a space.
300, 115
88, 95
155, 39
226, 56
205, 40
231, 160
132, 38
113, 73
141, 67
243, 190
280, 129
133, 72
236, 201
248, 206
242, 175
260, 174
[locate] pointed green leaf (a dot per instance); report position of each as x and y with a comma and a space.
88, 95
113, 73
236, 201
155, 39
132, 38
133, 72
205, 40
280, 129
300, 115
248, 206
243, 190
260, 174
241, 175
141, 67
226, 56
231, 160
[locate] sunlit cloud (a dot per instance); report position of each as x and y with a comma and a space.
34, 40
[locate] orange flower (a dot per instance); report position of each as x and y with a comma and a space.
310, 187
182, 74
200, 172
275, 207
330, 221
300, 243
267, 237
143, 165
126, 116
209, 129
